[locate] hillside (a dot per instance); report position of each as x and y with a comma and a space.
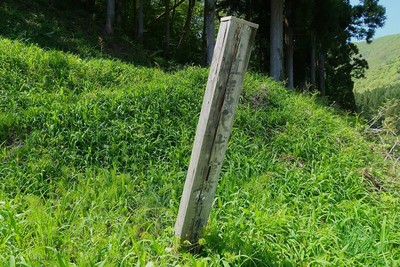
94, 154
382, 81
383, 56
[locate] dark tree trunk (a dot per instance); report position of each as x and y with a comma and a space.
167, 28
249, 8
321, 70
276, 46
90, 5
209, 24
313, 62
173, 13
120, 7
163, 14
141, 21
289, 49
110, 17
187, 22
134, 20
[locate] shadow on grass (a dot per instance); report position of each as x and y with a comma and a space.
70, 28
241, 253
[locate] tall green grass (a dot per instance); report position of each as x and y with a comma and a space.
94, 153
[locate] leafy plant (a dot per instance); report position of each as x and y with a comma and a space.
94, 154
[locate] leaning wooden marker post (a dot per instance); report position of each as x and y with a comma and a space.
228, 66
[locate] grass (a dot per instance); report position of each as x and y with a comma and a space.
94, 154
67, 26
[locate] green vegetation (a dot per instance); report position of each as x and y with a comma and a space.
163, 33
66, 27
382, 79
383, 56
93, 158
94, 152
378, 94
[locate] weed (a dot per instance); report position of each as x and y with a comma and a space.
93, 156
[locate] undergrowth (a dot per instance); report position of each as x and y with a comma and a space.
67, 26
94, 153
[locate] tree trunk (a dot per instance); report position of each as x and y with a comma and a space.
120, 4
167, 29
110, 17
276, 46
173, 13
209, 16
249, 9
312, 62
134, 20
289, 49
90, 5
204, 39
321, 67
141, 21
188, 20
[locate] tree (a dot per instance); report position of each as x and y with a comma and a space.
313, 62
317, 47
209, 28
167, 29
90, 4
304, 41
289, 46
276, 40
321, 73
335, 26
141, 21
134, 20
110, 17
366, 18
189, 15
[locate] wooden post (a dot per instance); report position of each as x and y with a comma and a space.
229, 64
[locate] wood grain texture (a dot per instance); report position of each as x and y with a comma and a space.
228, 67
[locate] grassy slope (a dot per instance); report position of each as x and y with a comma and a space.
383, 56
93, 158
93, 155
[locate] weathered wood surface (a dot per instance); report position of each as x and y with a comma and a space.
229, 64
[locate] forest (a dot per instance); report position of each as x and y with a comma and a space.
305, 44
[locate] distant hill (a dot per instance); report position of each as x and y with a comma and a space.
382, 81
383, 56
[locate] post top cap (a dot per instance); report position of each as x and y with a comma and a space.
241, 21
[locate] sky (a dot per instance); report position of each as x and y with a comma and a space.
392, 24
